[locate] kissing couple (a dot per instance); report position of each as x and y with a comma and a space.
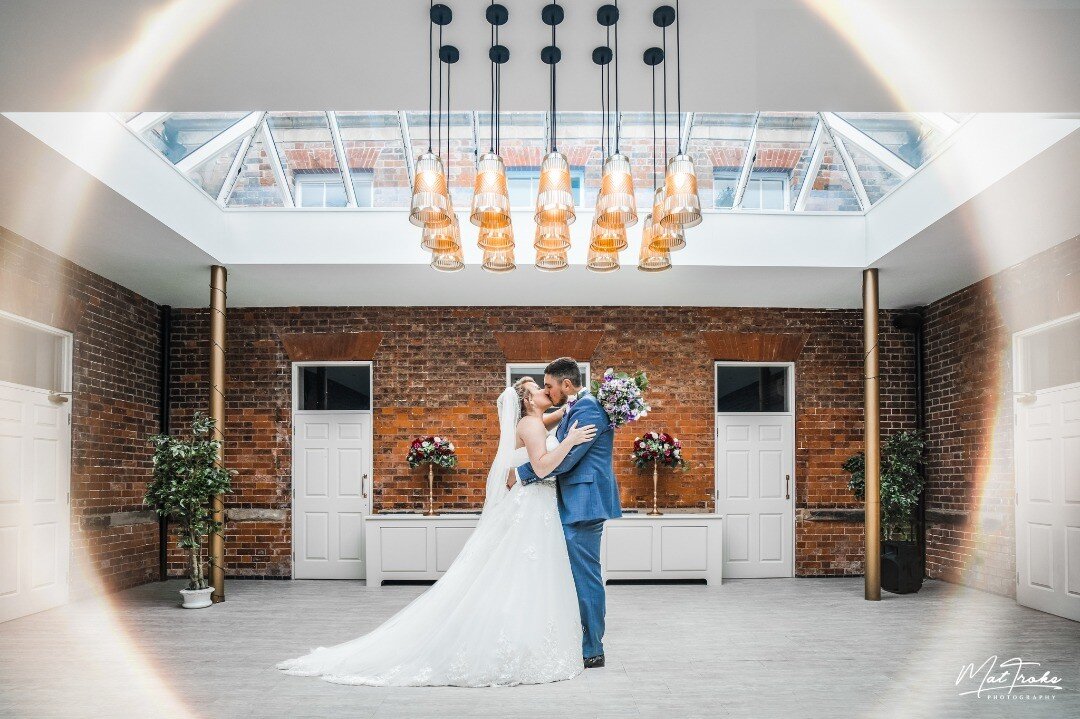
523, 602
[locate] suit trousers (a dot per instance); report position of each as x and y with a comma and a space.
583, 546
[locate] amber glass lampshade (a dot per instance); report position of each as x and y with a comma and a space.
496, 240
451, 261
443, 239
491, 199
555, 198
651, 260
551, 260
664, 239
602, 239
430, 206
552, 237
616, 206
499, 260
681, 204
602, 261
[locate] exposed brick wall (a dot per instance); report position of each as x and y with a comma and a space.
116, 381
970, 413
438, 370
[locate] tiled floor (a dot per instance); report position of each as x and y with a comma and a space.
761, 648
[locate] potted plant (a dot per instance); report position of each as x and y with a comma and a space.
186, 480
659, 449
902, 457
431, 451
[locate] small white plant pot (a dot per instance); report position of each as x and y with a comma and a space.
197, 598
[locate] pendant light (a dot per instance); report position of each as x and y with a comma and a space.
499, 240
667, 238
603, 239
551, 261
616, 205
445, 242
491, 198
652, 258
499, 260
602, 261
430, 206
554, 199
681, 203
552, 237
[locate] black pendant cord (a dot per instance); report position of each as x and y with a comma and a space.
664, 48
654, 129
498, 97
554, 117
439, 123
429, 40
449, 67
603, 114
491, 78
678, 71
618, 115
607, 117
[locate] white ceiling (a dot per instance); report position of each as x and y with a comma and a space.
104, 212
739, 55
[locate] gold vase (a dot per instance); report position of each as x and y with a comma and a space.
655, 509
431, 490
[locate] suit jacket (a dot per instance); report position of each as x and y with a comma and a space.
586, 483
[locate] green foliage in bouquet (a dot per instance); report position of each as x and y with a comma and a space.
901, 482
186, 480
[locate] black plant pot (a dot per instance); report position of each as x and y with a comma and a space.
901, 567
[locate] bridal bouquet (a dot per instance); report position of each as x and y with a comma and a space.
659, 447
432, 450
622, 396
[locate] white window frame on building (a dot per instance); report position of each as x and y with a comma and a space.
753, 185
532, 174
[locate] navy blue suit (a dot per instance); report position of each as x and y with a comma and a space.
588, 494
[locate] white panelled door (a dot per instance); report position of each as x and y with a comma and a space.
755, 493
1048, 502
331, 484
35, 472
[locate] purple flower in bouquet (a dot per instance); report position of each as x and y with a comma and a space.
622, 396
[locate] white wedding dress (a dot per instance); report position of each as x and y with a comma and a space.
504, 613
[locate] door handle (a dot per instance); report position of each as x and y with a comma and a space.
363, 486
787, 486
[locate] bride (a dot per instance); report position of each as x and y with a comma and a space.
505, 612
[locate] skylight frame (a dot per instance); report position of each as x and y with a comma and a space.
254, 125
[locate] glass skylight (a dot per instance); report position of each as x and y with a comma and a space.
746, 162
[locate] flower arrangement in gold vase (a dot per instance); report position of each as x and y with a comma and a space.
432, 451
659, 449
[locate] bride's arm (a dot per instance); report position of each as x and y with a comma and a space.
542, 459
553, 418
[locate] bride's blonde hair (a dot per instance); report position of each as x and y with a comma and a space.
521, 387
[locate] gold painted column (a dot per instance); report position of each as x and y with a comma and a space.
218, 279
872, 427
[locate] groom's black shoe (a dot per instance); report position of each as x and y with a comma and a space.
594, 662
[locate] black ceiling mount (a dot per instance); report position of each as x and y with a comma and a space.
607, 15
601, 55
499, 54
653, 56
551, 55
552, 14
441, 14
663, 16
449, 54
497, 14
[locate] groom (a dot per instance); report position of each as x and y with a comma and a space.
588, 495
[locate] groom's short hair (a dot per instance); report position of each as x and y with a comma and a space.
564, 368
